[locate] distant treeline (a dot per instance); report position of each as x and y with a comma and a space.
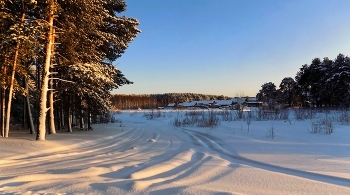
145, 101
323, 83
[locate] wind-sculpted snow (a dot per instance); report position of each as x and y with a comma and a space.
144, 156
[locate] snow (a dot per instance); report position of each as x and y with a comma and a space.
151, 156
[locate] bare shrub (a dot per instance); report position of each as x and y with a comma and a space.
239, 113
226, 115
310, 113
315, 127
344, 117
177, 121
303, 114
284, 115
248, 118
153, 114
194, 113
323, 125
271, 132
209, 120
275, 113
260, 114
113, 119
268, 113
202, 119
327, 125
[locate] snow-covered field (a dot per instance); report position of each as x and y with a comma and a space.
152, 156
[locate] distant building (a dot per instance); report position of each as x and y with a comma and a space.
171, 105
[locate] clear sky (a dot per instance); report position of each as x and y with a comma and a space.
229, 47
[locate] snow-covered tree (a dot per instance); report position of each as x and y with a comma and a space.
287, 90
16, 49
340, 79
91, 35
267, 93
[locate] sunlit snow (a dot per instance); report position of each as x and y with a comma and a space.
139, 155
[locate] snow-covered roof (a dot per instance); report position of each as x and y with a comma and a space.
252, 99
238, 100
204, 102
223, 102
171, 105
187, 104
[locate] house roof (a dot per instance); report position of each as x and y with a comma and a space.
187, 104
223, 102
204, 102
252, 99
238, 100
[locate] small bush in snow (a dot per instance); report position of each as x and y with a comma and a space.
327, 125
248, 118
303, 114
344, 117
153, 114
299, 114
177, 121
201, 119
271, 132
323, 125
194, 113
284, 115
239, 114
315, 127
209, 120
226, 115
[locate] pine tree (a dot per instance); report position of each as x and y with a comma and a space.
15, 50
267, 93
287, 88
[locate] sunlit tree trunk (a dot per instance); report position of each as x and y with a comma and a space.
10, 94
45, 82
9, 102
51, 93
2, 119
25, 117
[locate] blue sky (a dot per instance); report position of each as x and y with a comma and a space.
229, 47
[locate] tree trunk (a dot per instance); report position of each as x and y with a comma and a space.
69, 115
89, 119
58, 118
44, 87
51, 93
81, 118
2, 111
25, 117
62, 115
30, 117
9, 101
52, 117
29, 110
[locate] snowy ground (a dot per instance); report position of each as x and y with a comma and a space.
151, 156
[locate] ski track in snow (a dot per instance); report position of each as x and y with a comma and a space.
202, 138
147, 158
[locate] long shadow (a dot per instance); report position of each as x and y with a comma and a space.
275, 168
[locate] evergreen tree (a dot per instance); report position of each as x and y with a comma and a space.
267, 93
91, 34
340, 79
287, 90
